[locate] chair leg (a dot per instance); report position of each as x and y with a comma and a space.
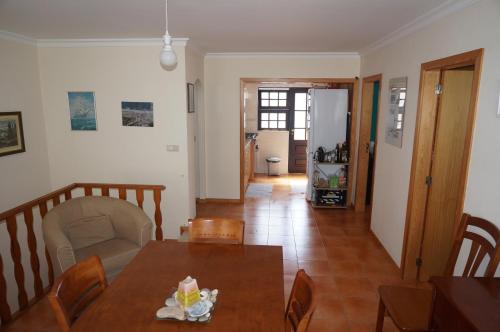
380, 316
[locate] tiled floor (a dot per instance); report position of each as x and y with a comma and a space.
335, 247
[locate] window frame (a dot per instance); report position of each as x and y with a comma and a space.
273, 109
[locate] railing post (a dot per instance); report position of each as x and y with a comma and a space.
43, 211
5, 313
87, 190
122, 193
105, 191
15, 251
158, 219
139, 194
35, 263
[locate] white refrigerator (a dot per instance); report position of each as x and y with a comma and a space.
328, 115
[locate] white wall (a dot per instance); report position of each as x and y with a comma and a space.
23, 176
195, 124
222, 105
471, 28
115, 153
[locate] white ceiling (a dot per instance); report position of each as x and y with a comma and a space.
221, 25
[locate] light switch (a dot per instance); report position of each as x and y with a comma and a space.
172, 148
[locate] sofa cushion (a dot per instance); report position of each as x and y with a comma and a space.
114, 254
86, 232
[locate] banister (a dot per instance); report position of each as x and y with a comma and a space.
36, 201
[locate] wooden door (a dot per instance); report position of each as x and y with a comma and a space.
298, 124
447, 171
364, 142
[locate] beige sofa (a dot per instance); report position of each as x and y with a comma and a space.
111, 228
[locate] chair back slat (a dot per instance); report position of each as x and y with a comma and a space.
35, 261
481, 248
301, 304
217, 230
76, 289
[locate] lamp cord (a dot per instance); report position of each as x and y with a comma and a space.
166, 17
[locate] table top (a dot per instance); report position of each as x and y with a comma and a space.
477, 299
249, 279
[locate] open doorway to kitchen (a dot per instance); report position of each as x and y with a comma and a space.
274, 123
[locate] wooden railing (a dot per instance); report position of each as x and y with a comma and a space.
42, 204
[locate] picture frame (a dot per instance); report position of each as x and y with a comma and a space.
11, 133
82, 110
190, 98
137, 114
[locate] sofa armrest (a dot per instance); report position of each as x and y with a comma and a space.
131, 223
58, 245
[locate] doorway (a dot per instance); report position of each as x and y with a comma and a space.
350, 84
370, 103
445, 122
298, 125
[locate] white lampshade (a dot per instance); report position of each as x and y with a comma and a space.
168, 58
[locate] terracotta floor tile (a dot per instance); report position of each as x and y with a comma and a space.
329, 325
316, 268
311, 254
361, 309
359, 286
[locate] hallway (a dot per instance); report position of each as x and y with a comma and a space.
335, 247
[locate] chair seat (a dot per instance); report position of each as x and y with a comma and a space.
410, 308
114, 254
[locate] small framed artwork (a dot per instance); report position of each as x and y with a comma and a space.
11, 133
137, 114
82, 110
190, 97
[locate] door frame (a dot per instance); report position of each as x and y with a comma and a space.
243, 81
291, 125
360, 190
422, 150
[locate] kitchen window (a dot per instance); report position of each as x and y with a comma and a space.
273, 109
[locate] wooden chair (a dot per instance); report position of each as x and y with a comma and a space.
217, 230
301, 304
75, 289
411, 308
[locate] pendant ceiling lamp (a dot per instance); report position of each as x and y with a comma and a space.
168, 59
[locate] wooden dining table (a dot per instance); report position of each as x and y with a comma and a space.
249, 279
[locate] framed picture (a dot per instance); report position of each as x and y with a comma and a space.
395, 120
137, 114
11, 133
190, 97
82, 110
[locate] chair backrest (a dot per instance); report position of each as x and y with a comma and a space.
217, 230
75, 289
480, 247
301, 304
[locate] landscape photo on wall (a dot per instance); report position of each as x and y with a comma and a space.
11, 133
82, 110
137, 114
